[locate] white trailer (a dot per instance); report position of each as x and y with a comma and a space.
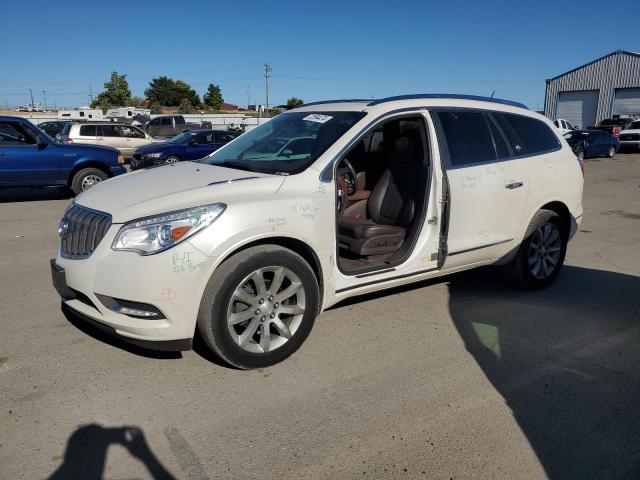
127, 112
81, 114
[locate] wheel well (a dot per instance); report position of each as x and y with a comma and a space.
562, 210
295, 245
89, 164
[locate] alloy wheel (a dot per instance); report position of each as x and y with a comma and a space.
544, 250
89, 181
266, 309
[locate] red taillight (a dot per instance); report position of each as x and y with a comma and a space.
616, 131
68, 140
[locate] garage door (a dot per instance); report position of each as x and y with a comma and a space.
627, 102
579, 108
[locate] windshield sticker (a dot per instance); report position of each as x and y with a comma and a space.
316, 117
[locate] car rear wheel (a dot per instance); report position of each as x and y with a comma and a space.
541, 254
259, 306
611, 152
86, 178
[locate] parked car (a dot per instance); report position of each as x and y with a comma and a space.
54, 128
563, 125
124, 137
249, 250
171, 125
30, 157
592, 143
630, 136
613, 125
185, 146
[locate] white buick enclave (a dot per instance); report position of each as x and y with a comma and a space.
326, 201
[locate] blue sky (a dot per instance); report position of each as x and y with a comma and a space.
317, 49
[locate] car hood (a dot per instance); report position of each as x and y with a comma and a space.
174, 187
157, 147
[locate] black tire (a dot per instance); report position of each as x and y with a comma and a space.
519, 271
172, 159
611, 152
218, 298
80, 183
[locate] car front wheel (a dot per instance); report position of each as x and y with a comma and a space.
611, 152
541, 254
259, 306
86, 178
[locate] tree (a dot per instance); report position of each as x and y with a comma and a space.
186, 106
135, 101
155, 108
213, 97
170, 93
294, 102
116, 93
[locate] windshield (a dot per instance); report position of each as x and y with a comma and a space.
181, 138
287, 144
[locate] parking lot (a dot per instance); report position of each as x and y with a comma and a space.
461, 377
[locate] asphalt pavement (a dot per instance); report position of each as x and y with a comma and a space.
461, 377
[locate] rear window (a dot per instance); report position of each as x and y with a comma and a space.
634, 125
87, 131
468, 137
527, 135
614, 122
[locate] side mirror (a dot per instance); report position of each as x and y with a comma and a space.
41, 143
287, 153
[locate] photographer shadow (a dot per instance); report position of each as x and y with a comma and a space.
86, 452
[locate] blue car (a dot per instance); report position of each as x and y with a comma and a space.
191, 145
30, 157
592, 143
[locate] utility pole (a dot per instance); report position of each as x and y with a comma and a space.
267, 74
90, 95
31, 93
248, 95
45, 99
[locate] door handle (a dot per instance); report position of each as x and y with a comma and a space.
514, 185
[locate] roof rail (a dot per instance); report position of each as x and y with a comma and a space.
342, 100
447, 95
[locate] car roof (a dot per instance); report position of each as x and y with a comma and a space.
417, 100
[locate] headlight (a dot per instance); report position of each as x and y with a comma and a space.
154, 155
155, 234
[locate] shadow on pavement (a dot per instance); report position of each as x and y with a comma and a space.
567, 362
565, 359
86, 452
31, 194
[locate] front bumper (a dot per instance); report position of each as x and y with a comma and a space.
171, 281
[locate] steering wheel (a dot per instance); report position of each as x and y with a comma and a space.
348, 175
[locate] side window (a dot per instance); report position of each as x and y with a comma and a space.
467, 136
154, 122
131, 132
179, 121
111, 130
224, 137
87, 130
165, 121
14, 134
204, 138
82, 114
527, 135
499, 142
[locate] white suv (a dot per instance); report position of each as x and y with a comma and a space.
250, 244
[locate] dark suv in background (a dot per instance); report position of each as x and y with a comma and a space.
30, 157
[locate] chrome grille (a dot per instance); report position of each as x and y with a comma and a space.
81, 230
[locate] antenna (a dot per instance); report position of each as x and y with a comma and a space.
492, 94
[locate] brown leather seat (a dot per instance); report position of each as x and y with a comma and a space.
391, 206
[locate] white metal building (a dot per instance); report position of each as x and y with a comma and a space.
603, 88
